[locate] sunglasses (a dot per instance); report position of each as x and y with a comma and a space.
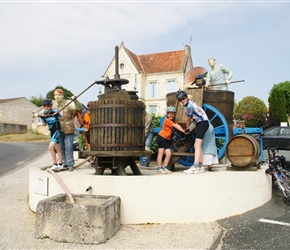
182, 99
45, 105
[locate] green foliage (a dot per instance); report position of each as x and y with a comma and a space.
277, 107
285, 87
34, 132
156, 120
252, 110
255, 120
235, 104
81, 141
37, 100
156, 124
67, 93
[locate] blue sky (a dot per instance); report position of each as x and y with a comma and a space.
71, 43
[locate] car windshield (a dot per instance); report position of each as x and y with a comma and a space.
272, 131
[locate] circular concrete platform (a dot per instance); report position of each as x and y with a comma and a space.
155, 198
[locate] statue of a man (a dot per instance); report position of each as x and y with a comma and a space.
67, 135
218, 74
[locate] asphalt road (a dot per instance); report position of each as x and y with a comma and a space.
266, 227
15, 154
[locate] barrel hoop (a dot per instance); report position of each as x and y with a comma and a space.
104, 145
99, 106
108, 125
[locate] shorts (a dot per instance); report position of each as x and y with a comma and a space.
55, 136
201, 128
162, 142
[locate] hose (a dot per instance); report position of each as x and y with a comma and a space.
62, 185
61, 182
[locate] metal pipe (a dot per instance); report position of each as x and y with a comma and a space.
217, 84
117, 75
76, 97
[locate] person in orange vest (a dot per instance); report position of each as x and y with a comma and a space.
87, 125
164, 140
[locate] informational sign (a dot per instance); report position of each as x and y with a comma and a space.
283, 124
41, 185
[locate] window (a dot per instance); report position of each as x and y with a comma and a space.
272, 132
39, 121
153, 90
153, 109
171, 86
285, 131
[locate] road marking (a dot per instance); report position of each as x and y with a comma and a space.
275, 222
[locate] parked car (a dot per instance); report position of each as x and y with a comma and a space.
278, 137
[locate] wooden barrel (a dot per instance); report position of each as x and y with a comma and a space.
221, 100
180, 116
243, 150
117, 125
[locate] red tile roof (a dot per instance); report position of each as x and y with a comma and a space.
160, 62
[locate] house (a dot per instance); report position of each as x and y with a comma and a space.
153, 76
37, 124
18, 111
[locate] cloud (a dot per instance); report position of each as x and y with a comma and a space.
71, 43
38, 29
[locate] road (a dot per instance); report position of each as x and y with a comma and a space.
266, 227
15, 154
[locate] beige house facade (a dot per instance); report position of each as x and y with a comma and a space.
152, 76
17, 111
37, 122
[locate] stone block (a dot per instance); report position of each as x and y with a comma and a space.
92, 219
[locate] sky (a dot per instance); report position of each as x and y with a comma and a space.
71, 43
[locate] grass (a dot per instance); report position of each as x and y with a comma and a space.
27, 137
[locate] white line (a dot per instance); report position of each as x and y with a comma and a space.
275, 222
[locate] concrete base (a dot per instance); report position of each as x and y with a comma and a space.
169, 198
90, 220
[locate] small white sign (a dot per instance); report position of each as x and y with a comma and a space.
41, 185
283, 124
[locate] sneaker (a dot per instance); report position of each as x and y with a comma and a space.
161, 171
54, 167
166, 170
192, 170
201, 170
62, 167
71, 168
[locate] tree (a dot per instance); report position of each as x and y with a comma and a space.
67, 93
285, 87
252, 110
37, 100
277, 107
